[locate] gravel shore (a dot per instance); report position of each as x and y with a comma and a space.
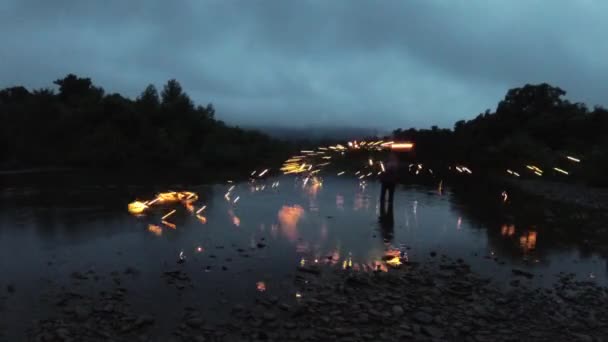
439, 300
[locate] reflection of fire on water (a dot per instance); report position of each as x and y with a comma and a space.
154, 229
288, 219
507, 230
528, 242
235, 219
340, 202
314, 187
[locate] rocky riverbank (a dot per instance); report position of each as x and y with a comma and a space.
440, 300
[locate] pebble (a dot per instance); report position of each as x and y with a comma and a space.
422, 317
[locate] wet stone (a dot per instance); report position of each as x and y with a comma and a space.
423, 317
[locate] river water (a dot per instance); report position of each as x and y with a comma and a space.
249, 239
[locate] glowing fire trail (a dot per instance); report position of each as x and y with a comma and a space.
168, 214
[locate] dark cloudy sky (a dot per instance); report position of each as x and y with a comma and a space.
378, 63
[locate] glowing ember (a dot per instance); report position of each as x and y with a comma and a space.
169, 224
201, 209
168, 214
137, 207
402, 146
298, 295
560, 170
263, 173
394, 262
154, 229
199, 249
505, 196
201, 218
576, 160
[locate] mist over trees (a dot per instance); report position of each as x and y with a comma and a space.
81, 126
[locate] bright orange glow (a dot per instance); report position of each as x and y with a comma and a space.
288, 219
507, 230
189, 206
137, 207
528, 242
402, 146
169, 224
154, 229
187, 197
394, 262
201, 218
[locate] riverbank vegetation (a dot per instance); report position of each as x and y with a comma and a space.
81, 126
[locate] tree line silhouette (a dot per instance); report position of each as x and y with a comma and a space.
80, 126
532, 125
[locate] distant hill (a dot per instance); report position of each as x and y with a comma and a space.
318, 133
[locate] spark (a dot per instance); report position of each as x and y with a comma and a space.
509, 172
169, 224
201, 218
505, 196
516, 174
199, 249
370, 161
156, 230
253, 173
340, 173
382, 166
137, 207
538, 173
236, 199
168, 214
231, 188
560, 170
201, 209
307, 151
263, 173
399, 146
574, 159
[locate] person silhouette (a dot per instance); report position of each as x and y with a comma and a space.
388, 180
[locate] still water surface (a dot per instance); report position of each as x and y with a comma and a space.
252, 243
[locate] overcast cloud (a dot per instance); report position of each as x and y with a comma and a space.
376, 63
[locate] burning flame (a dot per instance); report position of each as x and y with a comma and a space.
137, 207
